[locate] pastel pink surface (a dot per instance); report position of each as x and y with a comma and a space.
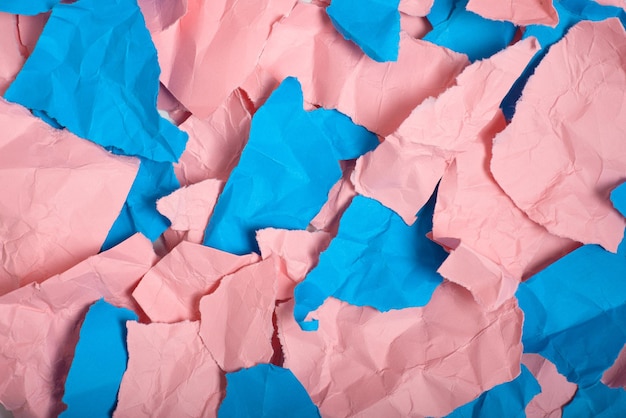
409, 362
189, 208
236, 319
500, 245
556, 391
403, 171
295, 253
616, 3
170, 373
159, 14
41, 324
564, 150
417, 27
615, 376
336, 74
415, 7
520, 12
166, 102
229, 32
172, 289
61, 210
215, 143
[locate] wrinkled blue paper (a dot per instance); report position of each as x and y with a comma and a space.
505, 400
575, 313
375, 260
466, 32
99, 362
597, 401
27, 7
95, 71
265, 391
285, 171
374, 25
139, 213
349, 140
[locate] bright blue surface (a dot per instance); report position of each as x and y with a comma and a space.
374, 25
139, 213
285, 171
348, 140
375, 260
27, 7
94, 70
265, 391
505, 400
575, 312
466, 32
618, 197
597, 401
99, 362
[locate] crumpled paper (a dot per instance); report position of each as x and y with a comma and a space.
414, 361
568, 132
415, 7
596, 401
172, 289
556, 391
28, 8
615, 376
64, 210
520, 12
160, 15
170, 374
41, 324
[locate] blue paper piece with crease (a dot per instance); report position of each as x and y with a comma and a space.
466, 32
99, 362
374, 25
575, 312
265, 391
597, 401
139, 213
95, 71
505, 400
285, 171
375, 260
27, 7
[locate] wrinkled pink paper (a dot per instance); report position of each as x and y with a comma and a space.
556, 391
161, 14
520, 12
415, 7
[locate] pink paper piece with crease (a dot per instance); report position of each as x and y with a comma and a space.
236, 320
415, 7
170, 374
295, 253
564, 150
230, 33
189, 208
70, 192
616, 3
408, 362
339, 199
520, 12
161, 14
215, 143
403, 171
500, 245
172, 289
167, 103
615, 376
336, 74
556, 391
41, 324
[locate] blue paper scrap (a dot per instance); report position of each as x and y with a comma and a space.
28, 7
597, 401
100, 360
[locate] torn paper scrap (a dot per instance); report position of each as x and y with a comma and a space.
236, 319
415, 26
556, 391
505, 400
170, 374
500, 245
189, 208
99, 362
568, 132
375, 260
615, 376
171, 109
28, 8
616, 3
42, 323
215, 143
382, 364
160, 15
294, 252
403, 171
139, 214
227, 32
520, 12
374, 25
72, 78
349, 141
65, 209
468, 33
335, 74
598, 401
285, 172
415, 7
172, 289
265, 390
580, 298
